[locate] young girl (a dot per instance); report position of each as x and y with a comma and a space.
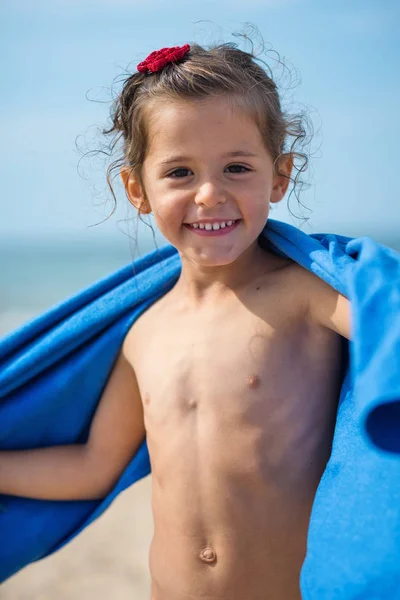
233, 375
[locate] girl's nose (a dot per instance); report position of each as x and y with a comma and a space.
210, 194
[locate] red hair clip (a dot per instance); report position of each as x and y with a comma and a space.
157, 59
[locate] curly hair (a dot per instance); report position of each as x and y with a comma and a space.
222, 70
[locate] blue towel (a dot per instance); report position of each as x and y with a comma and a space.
53, 371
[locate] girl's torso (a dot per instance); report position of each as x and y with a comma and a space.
239, 402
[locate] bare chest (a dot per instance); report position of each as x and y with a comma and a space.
239, 408
236, 370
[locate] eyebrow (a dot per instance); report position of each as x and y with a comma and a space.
180, 158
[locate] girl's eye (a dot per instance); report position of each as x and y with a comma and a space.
181, 172
238, 167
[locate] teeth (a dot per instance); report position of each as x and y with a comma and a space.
210, 226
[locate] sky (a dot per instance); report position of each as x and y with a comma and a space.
61, 57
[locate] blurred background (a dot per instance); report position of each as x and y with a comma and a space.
63, 62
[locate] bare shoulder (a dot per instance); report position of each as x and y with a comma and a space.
144, 325
323, 305
284, 280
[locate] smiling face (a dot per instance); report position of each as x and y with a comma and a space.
206, 161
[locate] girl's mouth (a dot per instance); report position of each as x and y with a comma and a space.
223, 230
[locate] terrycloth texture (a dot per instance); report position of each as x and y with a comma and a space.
53, 371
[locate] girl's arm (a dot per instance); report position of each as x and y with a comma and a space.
85, 471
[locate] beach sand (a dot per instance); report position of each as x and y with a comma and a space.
107, 560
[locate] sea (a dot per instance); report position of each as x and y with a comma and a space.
37, 275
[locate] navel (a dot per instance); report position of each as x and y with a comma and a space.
147, 398
208, 555
253, 381
192, 403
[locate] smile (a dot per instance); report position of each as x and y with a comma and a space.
215, 225
212, 229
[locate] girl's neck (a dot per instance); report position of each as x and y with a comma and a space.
201, 285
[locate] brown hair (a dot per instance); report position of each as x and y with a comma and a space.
222, 70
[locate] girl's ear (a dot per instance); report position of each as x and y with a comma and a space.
134, 191
282, 177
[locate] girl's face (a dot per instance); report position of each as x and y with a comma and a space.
206, 160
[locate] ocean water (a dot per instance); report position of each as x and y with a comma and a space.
34, 278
